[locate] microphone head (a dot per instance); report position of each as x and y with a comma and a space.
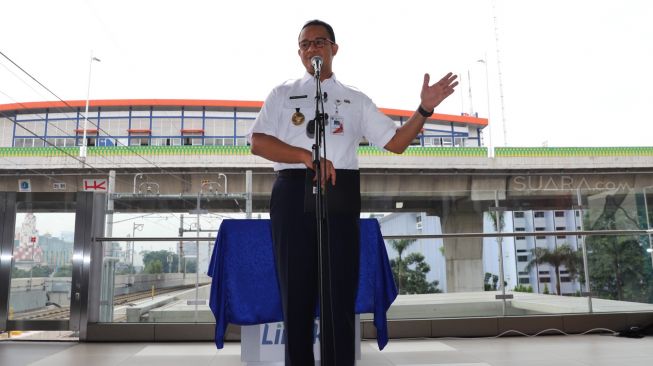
316, 61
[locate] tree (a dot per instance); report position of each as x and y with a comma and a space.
619, 266
36, 271
546, 289
399, 267
486, 282
167, 259
41, 271
64, 271
125, 270
562, 255
190, 266
410, 272
523, 288
153, 267
19, 273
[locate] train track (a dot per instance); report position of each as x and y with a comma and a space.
49, 313
52, 312
129, 298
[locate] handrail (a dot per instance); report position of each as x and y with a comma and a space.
424, 236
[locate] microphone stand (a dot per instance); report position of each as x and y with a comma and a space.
326, 341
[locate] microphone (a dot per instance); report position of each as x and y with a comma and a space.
316, 61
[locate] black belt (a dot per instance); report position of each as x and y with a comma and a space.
292, 173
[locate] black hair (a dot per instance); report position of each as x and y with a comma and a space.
332, 35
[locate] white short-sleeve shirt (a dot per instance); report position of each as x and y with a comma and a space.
352, 116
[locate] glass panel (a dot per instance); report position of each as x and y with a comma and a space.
140, 113
241, 114
418, 265
61, 142
42, 267
157, 281
29, 142
243, 126
140, 124
114, 127
192, 113
119, 113
471, 270
619, 266
62, 128
30, 117
166, 112
192, 123
613, 209
220, 114
219, 127
30, 129
160, 142
450, 277
65, 115
166, 126
620, 273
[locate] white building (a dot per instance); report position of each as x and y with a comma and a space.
517, 251
543, 275
432, 249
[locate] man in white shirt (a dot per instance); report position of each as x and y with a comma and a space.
280, 134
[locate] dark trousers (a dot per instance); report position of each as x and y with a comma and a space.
296, 256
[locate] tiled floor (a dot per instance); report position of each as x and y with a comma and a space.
578, 350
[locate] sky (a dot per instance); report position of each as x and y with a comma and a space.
559, 72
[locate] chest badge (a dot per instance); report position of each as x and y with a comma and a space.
297, 117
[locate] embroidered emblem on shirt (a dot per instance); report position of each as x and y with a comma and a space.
337, 125
297, 117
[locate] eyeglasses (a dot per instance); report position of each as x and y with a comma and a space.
318, 42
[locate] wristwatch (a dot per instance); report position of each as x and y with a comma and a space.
424, 112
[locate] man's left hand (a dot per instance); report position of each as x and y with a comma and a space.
434, 94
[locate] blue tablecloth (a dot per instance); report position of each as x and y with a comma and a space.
244, 288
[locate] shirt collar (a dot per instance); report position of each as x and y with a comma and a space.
308, 77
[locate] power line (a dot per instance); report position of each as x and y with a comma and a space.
34, 171
96, 125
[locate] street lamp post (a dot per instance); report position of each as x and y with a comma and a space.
82, 150
135, 227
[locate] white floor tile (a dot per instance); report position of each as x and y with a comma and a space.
444, 364
541, 351
177, 350
414, 346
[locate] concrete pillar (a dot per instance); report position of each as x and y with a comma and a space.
464, 256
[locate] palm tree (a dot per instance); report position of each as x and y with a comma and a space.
410, 271
561, 255
400, 264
